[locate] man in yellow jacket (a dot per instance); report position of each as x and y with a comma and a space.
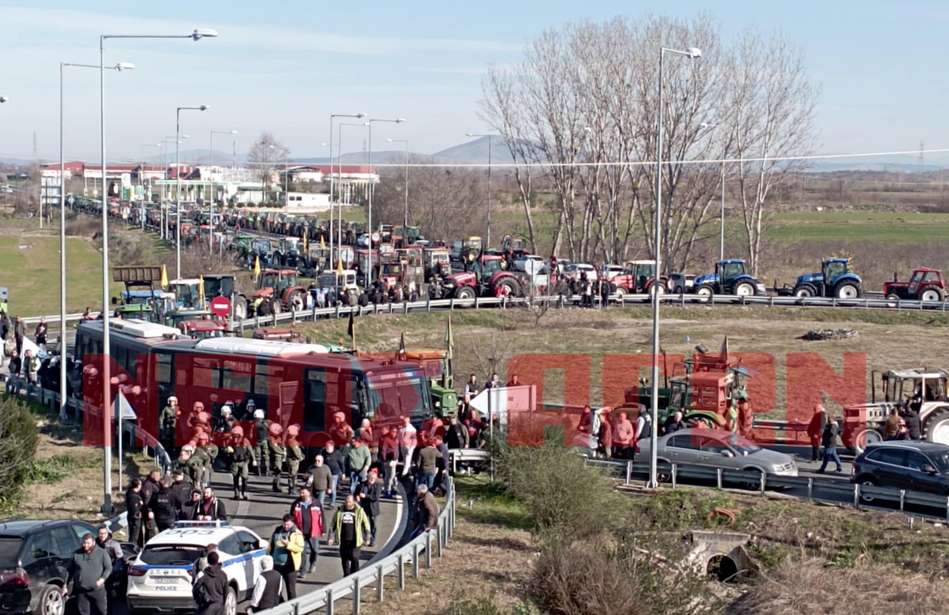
286, 547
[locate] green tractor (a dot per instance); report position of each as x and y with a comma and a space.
437, 367
140, 299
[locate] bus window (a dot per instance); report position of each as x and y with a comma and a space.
314, 401
261, 379
404, 395
235, 375
163, 369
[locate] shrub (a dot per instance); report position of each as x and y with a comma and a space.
18, 438
809, 587
564, 497
486, 606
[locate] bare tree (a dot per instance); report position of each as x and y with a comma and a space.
772, 101
265, 153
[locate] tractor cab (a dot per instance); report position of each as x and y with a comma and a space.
637, 277
263, 249
218, 285
836, 279
275, 281
437, 262
404, 236
924, 285
485, 267
342, 282
436, 364
730, 278
903, 389
202, 329
187, 293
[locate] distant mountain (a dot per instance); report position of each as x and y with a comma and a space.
475, 152
20, 162
869, 165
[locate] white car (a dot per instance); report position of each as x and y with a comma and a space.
573, 271
160, 578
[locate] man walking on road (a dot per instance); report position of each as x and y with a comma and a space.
210, 589
427, 465
242, 456
320, 481
210, 508
268, 589
369, 494
286, 547
349, 527
165, 505
112, 547
427, 511
829, 440
359, 462
408, 440
333, 459
308, 516
89, 569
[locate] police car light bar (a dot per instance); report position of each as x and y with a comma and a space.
217, 523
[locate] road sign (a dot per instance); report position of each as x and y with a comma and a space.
221, 306
376, 237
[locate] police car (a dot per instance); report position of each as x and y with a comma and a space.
161, 577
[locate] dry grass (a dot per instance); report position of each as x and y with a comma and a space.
808, 588
76, 492
481, 560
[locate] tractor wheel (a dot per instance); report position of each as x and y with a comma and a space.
864, 438
805, 291
705, 291
465, 293
937, 427
932, 294
618, 291
745, 290
847, 290
240, 308
512, 287
655, 289
893, 297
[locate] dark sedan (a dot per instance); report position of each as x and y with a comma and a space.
909, 465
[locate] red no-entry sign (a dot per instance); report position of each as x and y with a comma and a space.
221, 306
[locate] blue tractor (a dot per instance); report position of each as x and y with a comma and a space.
729, 279
835, 280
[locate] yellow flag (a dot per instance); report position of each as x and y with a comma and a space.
201, 292
306, 244
322, 243
164, 278
257, 266
339, 266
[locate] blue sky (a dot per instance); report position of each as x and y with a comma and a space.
285, 66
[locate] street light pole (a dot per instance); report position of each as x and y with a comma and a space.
178, 184
339, 216
405, 213
692, 52
165, 231
395, 121
487, 243
339, 183
198, 34
211, 165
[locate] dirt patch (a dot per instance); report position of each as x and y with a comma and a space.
480, 560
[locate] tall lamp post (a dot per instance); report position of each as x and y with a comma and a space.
178, 184
197, 35
141, 178
165, 232
405, 213
339, 216
62, 231
339, 168
369, 224
487, 242
693, 53
211, 164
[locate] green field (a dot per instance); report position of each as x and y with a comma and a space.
890, 228
32, 275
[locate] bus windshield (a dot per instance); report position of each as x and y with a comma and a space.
398, 394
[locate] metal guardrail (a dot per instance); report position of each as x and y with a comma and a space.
372, 577
824, 490
562, 301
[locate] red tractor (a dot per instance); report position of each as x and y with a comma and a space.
487, 276
638, 277
281, 285
924, 285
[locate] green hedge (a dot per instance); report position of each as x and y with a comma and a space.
18, 439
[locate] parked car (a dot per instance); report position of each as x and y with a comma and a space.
160, 578
33, 558
681, 282
717, 448
910, 465
573, 271
610, 271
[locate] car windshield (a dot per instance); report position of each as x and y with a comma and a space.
940, 460
744, 446
9, 549
171, 555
